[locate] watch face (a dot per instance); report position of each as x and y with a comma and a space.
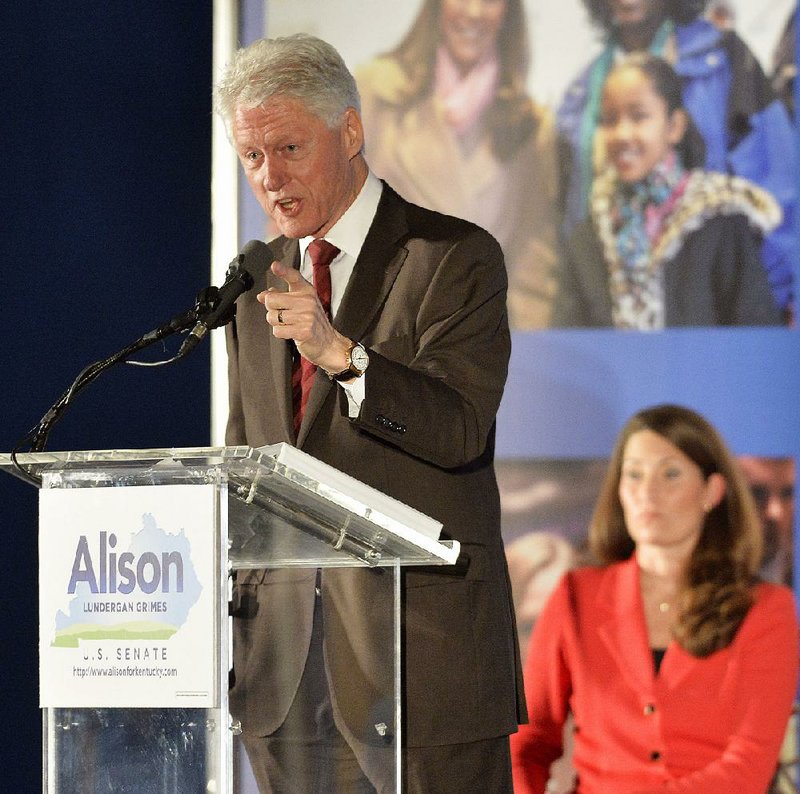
359, 357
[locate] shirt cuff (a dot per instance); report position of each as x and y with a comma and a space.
355, 391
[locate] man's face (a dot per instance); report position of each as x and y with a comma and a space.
636, 12
772, 483
303, 173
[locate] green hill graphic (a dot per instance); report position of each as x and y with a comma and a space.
134, 630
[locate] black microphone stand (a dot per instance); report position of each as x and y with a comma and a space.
36, 438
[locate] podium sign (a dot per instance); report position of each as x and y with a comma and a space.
126, 596
137, 552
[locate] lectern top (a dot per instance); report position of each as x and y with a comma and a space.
280, 489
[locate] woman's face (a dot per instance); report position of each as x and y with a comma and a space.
664, 495
469, 29
637, 129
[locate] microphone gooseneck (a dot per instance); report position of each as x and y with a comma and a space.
213, 309
237, 281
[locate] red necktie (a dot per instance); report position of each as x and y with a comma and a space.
322, 253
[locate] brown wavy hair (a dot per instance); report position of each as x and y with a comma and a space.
512, 116
718, 589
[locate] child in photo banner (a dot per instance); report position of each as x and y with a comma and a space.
744, 125
666, 242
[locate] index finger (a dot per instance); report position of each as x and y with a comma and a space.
291, 276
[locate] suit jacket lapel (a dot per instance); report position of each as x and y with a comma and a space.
376, 269
288, 252
374, 273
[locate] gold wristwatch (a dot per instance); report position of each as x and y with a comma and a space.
357, 363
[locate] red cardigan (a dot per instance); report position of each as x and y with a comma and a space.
713, 725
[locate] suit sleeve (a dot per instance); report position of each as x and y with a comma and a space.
769, 681
582, 299
747, 295
436, 394
570, 308
547, 691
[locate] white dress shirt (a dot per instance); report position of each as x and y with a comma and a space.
348, 235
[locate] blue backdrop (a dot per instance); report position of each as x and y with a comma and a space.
569, 392
104, 179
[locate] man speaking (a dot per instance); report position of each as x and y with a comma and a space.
378, 343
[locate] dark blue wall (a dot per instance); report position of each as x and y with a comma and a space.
104, 180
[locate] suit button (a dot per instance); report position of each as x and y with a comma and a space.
649, 709
655, 756
390, 424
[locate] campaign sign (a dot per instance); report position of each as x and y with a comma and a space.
127, 596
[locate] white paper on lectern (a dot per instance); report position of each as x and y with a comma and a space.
126, 589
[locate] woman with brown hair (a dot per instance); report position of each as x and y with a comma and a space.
451, 126
678, 666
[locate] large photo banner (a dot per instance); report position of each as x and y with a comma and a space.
643, 269
498, 112
525, 147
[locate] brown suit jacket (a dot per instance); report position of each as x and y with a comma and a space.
428, 299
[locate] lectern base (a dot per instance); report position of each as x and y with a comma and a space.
131, 751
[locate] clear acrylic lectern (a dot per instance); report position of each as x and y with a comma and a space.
136, 553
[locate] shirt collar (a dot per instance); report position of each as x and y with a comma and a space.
350, 231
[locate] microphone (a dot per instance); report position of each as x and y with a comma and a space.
237, 280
